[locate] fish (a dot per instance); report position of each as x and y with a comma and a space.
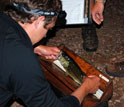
69, 67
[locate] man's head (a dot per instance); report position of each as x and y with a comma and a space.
35, 16
24, 10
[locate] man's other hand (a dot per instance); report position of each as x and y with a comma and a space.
47, 52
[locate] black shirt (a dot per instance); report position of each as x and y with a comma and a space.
20, 70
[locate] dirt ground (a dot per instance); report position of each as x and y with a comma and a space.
111, 45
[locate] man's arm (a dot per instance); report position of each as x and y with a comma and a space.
97, 11
90, 85
47, 51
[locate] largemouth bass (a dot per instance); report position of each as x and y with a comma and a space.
69, 66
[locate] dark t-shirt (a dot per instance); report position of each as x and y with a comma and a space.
20, 70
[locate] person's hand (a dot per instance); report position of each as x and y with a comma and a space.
97, 12
47, 52
91, 84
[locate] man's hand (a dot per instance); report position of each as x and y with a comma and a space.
47, 52
97, 12
90, 85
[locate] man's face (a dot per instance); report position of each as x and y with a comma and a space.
45, 30
41, 32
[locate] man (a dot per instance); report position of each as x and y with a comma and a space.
23, 24
89, 35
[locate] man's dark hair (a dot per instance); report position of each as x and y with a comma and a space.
15, 9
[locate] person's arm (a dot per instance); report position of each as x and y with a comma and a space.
90, 85
47, 51
97, 11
